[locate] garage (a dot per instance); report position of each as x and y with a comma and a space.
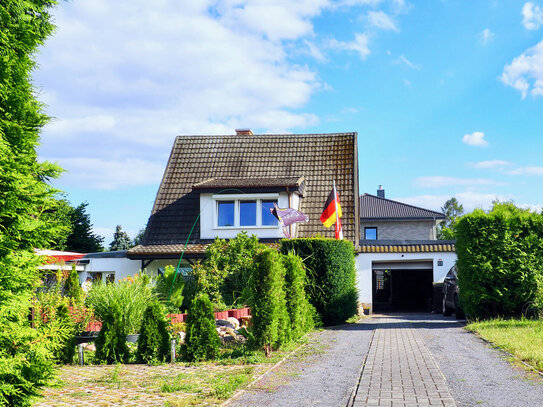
402, 286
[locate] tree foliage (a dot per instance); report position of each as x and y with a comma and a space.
270, 318
452, 210
169, 289
121, 240
26, 200
82, 239
224, 275
202, 340
154, 339
500, 262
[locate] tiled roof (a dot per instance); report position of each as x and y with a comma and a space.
218, 183
374, 207
174, 250
318, 158
406, 246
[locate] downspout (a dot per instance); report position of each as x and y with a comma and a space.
289, 205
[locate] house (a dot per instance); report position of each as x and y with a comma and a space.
217, 186
400, 257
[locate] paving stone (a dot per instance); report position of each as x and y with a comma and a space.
400, 370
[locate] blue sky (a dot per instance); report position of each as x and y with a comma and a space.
446, 96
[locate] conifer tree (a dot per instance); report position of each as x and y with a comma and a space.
154, 339
202, 341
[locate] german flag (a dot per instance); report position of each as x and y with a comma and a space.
328, 216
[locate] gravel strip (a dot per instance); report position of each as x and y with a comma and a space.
323, 373
477, 374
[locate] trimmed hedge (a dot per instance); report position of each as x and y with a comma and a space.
300, 311
331, 276
500, 262
270, 319
202, 340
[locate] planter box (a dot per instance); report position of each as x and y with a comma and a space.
177, 318
221, 315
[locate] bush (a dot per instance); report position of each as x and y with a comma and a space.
72, 289
300, 311
66, 351
500, 262
111, 344
270, 320
202, 340
331, 276
154, 339
169, 289
130, 295
224, 275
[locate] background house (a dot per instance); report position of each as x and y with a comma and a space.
399, 256
220, 185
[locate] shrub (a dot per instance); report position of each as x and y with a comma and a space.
224, 275
270, 320
500, 262
131, 296
169, 289
72, 289
154, 339
299, 309
202, 340
331, 276
111, 344
66, 351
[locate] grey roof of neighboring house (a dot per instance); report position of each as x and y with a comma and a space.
252, 162
406, 246
105, 255
375, 208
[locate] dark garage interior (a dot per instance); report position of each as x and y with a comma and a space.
402, 286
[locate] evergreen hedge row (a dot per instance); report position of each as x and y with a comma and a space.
500, 262
331, 276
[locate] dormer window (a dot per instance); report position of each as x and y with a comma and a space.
242, 213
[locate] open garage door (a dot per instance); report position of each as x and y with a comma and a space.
402, 286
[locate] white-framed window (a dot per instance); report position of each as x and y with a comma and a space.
245, 211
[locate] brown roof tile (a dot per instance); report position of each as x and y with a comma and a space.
196, 160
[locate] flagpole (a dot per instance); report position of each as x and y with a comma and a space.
335, 207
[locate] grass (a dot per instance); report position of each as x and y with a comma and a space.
522, 338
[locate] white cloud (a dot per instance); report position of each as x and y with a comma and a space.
527, 171
490, 164
476, 138
402, 59
532, 16
381, 20
359, 45
314, 51
109, 174
525, 73
441, 181
486, 36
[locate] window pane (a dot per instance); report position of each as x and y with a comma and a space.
247, 213
267, 218
370, 233
226, 213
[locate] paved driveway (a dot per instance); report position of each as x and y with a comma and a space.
397, 360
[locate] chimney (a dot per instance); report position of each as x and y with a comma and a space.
381, 192
244, 132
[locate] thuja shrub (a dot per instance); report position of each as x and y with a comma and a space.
300, 311
111, 344
270, 319
201, 340
72, 289
66, 350
154, 339
500, 262
331, 276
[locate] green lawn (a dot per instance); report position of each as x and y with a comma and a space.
522, 338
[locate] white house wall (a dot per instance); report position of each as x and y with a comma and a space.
120, 266
364, 262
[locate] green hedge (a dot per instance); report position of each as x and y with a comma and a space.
331, 276
154, 339
300, 311
500, 262
202, 340
270, 319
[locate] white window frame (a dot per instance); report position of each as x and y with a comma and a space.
245, 197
